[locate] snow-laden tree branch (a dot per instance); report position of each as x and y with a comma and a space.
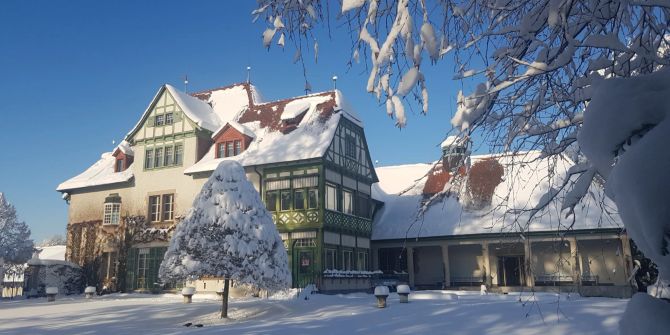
582, 77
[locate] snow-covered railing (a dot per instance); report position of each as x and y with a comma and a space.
350, 274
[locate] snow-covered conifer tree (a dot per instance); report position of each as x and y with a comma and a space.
228, 233
16, 247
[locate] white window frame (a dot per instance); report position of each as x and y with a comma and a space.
167, 213
112, 213
347, 260
330, 253
155, 208
331, 197
347, 202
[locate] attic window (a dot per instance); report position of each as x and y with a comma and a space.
159, 120
119, 165
228, 148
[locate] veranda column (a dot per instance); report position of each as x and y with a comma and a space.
445, 261
487, 263
574, 259
410, 265
627, 256
527, 255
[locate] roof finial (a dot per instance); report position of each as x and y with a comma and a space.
334, 82
248, 74
186, 83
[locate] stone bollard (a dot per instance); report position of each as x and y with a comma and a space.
51, 293
89, 292
403, 293
381, 292
483, 290
188, 293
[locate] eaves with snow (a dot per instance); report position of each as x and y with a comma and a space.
526, 178
286, 130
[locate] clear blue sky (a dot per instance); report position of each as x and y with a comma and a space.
78, 74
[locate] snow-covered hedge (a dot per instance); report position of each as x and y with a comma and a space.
66, 276
350, 274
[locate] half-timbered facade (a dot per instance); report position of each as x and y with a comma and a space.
307, 157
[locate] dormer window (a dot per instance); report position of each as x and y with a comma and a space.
228, 148
123, 156
119, 165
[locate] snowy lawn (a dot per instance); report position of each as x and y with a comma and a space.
429, 312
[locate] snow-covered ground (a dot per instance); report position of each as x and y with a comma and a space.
429, 312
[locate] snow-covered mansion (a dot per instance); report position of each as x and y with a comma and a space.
339, 217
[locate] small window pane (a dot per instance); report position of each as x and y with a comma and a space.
238, 147
330, 259
158, 157
220, 150
119, 165
229, 149
168, 207
168, 118
178, 154
313, 199
347, 205
285, 200
155, 208
362, 264
331, 197
299, 199
271, 201
159, 121
168, 156
149, 159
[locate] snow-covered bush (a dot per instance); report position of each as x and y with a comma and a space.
67, 277
228, 233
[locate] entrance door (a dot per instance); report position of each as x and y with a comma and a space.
510, 270
304, 267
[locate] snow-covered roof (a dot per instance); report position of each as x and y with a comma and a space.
100, 173
239, 127
55, 252
124, 147
525, 180
449, 141
273, 142
196, 110
241, 107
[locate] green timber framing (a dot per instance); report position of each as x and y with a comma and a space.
303, 229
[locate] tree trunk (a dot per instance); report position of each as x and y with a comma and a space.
224, 301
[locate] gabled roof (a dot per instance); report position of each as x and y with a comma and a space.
526, 179
240, 106
273, 142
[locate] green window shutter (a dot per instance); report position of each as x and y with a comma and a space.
131, 269
150, 121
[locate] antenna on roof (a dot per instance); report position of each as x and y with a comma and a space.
185, 83
248, 74
334, 82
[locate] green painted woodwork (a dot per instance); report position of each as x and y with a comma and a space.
348, 224
348, 153
162, 104
148, 282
